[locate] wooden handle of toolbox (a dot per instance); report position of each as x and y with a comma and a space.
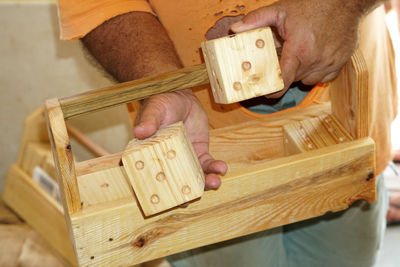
134, 90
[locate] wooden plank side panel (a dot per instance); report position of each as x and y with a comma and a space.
314, 133
349, 95
34, 131
63, 157
258, 140
39, 210
134, 90
103, 186
260, 197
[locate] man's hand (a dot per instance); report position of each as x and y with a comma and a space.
317, 37
162, 110
135, 45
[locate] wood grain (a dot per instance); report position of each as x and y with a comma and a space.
258, 140
133, 90
85, 141
164, 170
39, 210
259, 197
313, 134
63, 158
242, 66
38, 154
34, 131
350, 97
103, 186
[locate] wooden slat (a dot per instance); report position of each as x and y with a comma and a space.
103, 186
63, 158
259, 140
133, 90
313, 134
259, 197
38, 154
350, 99
85, 141
34, 131
39, 210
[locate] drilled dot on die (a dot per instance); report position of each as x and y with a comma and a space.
155, 199
237, 86
139, 164
246, 65
171, 154
186, 189
160, 176
260, 43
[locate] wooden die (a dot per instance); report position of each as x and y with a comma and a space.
164, 169
242, 66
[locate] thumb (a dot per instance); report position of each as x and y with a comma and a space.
289, 65
262, 17
148, 120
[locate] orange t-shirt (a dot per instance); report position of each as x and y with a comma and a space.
187, 23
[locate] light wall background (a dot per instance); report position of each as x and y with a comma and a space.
36, 65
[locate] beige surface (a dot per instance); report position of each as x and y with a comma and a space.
36, 65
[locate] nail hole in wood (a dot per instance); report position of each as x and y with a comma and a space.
260, 43
171, 154
186, 189
155, 199
237, 86
246, 65
160, 176
139, 165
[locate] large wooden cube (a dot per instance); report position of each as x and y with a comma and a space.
164, 170
242, 66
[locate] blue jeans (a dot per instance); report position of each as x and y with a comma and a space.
347, 238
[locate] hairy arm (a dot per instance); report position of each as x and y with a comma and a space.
317, 37
132, 46
135, 45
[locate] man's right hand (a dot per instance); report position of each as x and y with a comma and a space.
317, 37
164, 109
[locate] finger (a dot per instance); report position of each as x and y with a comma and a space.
212, 181
289, 65
319, 76
148, 120
265, 16
210, 165
330, 77
212, 168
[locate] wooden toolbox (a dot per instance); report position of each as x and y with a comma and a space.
283, 168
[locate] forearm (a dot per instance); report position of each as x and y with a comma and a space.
131, 46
